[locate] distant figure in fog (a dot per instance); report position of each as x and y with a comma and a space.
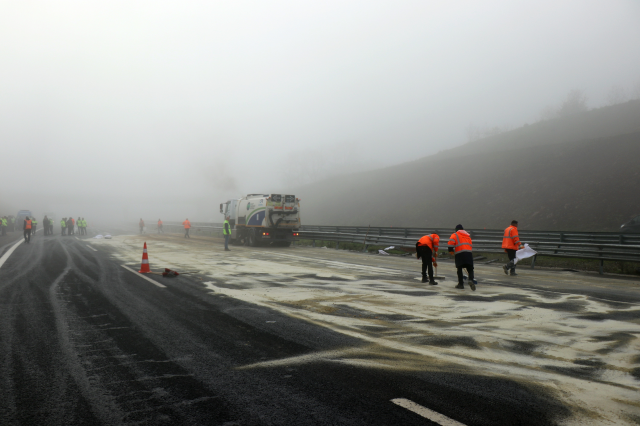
187, 227
79, 225
34, 225
63, 226
226, 231
45, 223
70, 226
27, 229
50, 226
141, 224
4, 224
160, 227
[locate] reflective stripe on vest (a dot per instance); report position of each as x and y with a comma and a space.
460, 246
226, 228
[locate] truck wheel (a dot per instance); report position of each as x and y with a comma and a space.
251, 240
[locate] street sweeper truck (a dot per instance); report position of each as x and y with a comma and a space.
263, 219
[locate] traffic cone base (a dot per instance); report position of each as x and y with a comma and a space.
144, 266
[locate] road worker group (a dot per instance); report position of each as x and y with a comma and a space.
460, 246
30, 226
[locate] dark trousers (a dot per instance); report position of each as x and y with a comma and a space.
186, 233
62, 231
512, 255
4, 230
33, 229
27, 235
160, 229
226, 242
427, 266
469, 269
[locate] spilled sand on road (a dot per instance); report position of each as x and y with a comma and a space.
581, 349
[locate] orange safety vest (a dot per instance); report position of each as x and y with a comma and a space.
186, 224
461, 242
28, 225
159, 223
430, 241
511, 240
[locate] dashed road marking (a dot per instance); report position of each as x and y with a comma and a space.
142, 276
92, 248
8, 253
434, 416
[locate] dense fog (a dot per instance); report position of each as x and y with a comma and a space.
163, 109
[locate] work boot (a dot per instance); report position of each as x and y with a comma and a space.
513, 273
432, 282
460, 286
505, 269
472, 284
424, 279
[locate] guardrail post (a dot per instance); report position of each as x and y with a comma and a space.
601, 262
313, 243
533, 261
366, 248
337, 245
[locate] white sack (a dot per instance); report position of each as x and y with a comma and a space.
524, 253
108, 237
390, 248
383, 252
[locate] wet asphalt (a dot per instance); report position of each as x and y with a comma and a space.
83, 341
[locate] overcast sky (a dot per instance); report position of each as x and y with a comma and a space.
167, 108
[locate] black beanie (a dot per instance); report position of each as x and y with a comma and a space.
459, 227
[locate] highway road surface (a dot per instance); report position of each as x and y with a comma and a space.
304, 336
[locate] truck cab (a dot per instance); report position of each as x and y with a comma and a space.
263, 219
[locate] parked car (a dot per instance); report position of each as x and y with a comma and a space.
633, 226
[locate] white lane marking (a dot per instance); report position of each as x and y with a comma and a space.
77, 238
142, 276
92, 248
434, 416
339, 264
8, 253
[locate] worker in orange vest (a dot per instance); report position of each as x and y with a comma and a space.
511, 244
187, 226
27, 229
160, 227
461, 246
427, 249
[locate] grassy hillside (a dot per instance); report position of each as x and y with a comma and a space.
539, 177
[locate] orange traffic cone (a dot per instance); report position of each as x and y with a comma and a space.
144, 267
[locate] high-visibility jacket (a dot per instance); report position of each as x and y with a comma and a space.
63, 223
430, 241
159, 223
511, 240
461, 242
226, 228
4, 222
51, 222
27, 224
84, 223
34, 222
186, 224
13, 219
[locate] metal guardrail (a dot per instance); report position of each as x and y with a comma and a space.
601, 246
583, 245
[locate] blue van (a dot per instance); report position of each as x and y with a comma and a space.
20, 218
